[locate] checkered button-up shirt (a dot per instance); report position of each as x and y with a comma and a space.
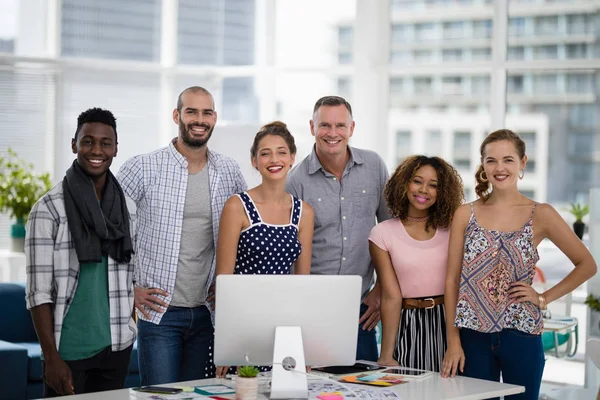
53, 271
345, 211
157, 183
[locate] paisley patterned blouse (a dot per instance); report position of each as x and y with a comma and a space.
492, 261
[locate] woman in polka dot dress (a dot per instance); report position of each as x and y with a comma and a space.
266, 230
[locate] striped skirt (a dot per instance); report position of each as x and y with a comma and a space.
421, 341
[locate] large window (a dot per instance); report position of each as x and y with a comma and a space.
219, 32
426, 31
563, 104
462, 151
429, 65
26, 109
517, 26
581, 82
423, 77
434, 142
114, 29
8, 25
581, 23
404, 145
401, 32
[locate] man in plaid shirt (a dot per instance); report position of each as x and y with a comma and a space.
179, 192
79, 276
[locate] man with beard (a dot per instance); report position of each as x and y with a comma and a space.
179, 192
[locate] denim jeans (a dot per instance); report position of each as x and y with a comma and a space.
178, 349
366, 348
517, 355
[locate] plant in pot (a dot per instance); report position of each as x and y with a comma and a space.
246, 383
579, 211
593, 303
20, 188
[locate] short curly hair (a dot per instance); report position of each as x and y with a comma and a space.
450, 193
96, 115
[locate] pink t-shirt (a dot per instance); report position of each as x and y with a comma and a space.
420, 265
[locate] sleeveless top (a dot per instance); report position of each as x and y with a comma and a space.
266, 248
492, 261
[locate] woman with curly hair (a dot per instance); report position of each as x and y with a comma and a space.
410, 255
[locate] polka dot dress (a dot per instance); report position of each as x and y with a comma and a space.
265, 248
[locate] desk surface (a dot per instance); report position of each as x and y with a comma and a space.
432, 388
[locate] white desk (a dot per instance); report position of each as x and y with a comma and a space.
432, 388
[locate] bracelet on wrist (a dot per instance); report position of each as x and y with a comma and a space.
542, 302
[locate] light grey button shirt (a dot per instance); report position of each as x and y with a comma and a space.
345, 212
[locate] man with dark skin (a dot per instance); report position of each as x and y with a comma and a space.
78, 251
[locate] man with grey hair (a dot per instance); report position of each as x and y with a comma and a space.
344, 186
179, 192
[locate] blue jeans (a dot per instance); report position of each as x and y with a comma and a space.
517, 355
366, 347
178, 349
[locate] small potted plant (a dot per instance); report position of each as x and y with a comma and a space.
246, 383
20, 188
579, 211
593, 303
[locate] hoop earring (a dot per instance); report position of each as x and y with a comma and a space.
481, 178
522, 174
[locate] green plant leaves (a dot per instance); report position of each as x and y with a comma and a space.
579, 210
248, 371
593, 303
20, 186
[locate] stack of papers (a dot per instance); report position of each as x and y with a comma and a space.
376, 379
324, 388
188, 393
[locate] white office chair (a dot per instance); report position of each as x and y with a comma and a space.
593, 351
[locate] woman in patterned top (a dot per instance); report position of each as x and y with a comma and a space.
410, 253
266, 230
495, 315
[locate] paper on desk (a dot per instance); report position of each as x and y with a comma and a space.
316, 388
133, 394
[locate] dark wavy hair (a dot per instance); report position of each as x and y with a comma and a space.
275, 128
450, 193
483, 187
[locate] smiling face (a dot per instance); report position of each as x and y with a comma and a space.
422, 190
273, 158
502, 164
196, 119
95, 146
332, 127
